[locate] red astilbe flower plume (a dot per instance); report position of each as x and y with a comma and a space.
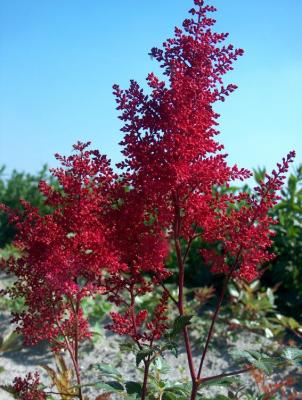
173, 159
169, 144
244, 230
64, 253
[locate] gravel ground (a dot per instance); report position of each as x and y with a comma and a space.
23, 360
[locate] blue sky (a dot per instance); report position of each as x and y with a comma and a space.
59, 59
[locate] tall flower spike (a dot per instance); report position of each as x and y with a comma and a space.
168, 142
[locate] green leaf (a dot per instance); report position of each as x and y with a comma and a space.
108, 370
162, 366
178, 392
293, 355
225, 381
127, 347
111, 386
133, 387
9, 342
233, 291
175, 394
180, 323
142, 354
172, 346
258, 360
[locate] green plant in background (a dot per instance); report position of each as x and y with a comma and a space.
286, 268
20, 185
16, 186
95, 309
253, 307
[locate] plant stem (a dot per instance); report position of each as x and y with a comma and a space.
169, 294
225, 375
181, 309
216, 312
210, 333
76, 350
197, 383
59, 393
194, 390
72, 356
181, 281
146, 375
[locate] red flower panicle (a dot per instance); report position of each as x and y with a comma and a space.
64, 253
244, 230
172, 157
28, 388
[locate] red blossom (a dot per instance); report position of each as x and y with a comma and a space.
65, 253
28, 388
172, 157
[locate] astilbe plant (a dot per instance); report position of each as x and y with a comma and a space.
110, 234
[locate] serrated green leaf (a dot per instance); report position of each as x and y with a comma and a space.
172, 346
180, 322
258, 360
142, 354
293, 355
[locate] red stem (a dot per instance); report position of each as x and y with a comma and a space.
169, 294
146, 375
210, 333
73, 353
181, 279
225, 375
76, 349
181, 309
218, 306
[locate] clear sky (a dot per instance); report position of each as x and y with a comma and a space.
59, 59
